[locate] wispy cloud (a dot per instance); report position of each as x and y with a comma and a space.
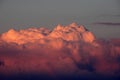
107, 23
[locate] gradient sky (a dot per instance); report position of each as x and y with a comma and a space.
21, 14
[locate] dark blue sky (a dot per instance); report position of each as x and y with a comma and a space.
21, 14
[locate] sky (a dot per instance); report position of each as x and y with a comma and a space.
102, 17
88, 57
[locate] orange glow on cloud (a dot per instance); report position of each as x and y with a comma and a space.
70, 52
72, 32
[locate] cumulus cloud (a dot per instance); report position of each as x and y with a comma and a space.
66, 52
72, 32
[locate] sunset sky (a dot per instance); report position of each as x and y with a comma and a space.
60, 39
102, 17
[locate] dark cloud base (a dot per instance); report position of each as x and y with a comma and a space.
81, 62
65, 77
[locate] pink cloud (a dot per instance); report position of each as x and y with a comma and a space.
59, 58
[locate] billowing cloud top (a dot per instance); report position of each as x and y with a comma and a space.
72, 32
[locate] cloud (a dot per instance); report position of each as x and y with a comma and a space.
117, 15
72, 32
73, 59
107, 23
58, 58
